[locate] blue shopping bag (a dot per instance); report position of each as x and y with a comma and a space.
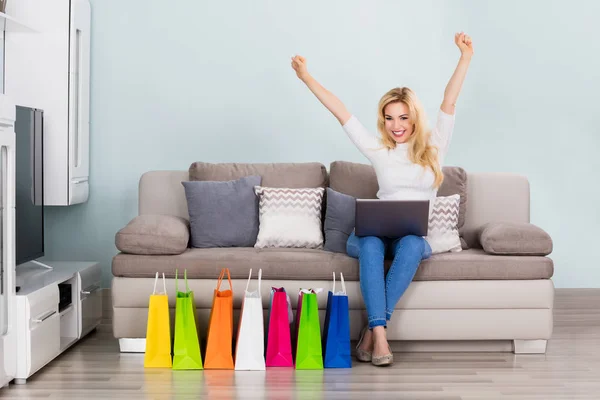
336, 331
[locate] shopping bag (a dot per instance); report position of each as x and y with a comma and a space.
186, 349
308, 349
250, 347
219, 354
158, 330
336, 329
299, 312
279, 342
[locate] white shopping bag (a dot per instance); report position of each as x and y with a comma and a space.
250, 348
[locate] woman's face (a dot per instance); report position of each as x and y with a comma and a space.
398, 123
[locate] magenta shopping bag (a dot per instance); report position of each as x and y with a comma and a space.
279, 342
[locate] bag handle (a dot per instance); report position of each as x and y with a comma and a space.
221, 276
155, 280
164, 283
250, 277
333, 289
187, 288
259, 279
343, 283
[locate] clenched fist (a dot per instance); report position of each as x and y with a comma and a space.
299, 65
464, 43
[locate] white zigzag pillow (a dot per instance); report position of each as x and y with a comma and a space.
442, 233
289, 217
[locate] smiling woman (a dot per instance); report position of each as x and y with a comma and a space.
398, 123
407, 159
401, 119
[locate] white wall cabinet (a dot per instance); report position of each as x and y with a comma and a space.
8, 331
51, 71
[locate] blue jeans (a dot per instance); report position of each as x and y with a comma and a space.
381, 293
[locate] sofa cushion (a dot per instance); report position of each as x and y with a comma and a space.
515, 238
360, 181
209, 201
154, 234
339, 220
290, 217
313, 264
354, 179
280, 175
455, 182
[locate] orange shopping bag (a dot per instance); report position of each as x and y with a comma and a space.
219, 354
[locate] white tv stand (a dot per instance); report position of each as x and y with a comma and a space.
45, 326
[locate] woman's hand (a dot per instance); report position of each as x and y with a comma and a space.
299, 65
464, 43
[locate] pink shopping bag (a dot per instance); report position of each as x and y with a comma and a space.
279, 342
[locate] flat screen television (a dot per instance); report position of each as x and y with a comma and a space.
29, 174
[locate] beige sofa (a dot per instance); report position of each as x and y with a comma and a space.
466, 301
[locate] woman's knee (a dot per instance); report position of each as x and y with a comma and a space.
371, 243
352, 246
413, 243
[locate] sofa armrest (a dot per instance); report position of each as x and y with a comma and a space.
154, 235
514, 238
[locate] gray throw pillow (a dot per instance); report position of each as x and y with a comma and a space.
515, 238
339, 220
152, 234
223, 214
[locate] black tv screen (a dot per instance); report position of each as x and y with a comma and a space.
29, 174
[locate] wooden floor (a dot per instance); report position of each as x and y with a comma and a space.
94, 369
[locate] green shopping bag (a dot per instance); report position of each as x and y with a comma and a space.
309, 354
186, 349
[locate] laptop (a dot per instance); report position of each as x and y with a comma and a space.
391, 218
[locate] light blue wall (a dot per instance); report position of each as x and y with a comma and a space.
176, 82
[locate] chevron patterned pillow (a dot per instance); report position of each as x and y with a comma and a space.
442, 233
289, 217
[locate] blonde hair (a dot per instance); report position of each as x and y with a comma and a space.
420, 151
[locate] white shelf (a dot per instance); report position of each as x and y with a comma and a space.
67, 310
9, 24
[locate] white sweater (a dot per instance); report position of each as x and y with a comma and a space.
398, 177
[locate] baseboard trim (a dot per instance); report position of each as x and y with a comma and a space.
529, 346
132, 345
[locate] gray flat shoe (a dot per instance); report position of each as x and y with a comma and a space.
385, 360
363, 355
